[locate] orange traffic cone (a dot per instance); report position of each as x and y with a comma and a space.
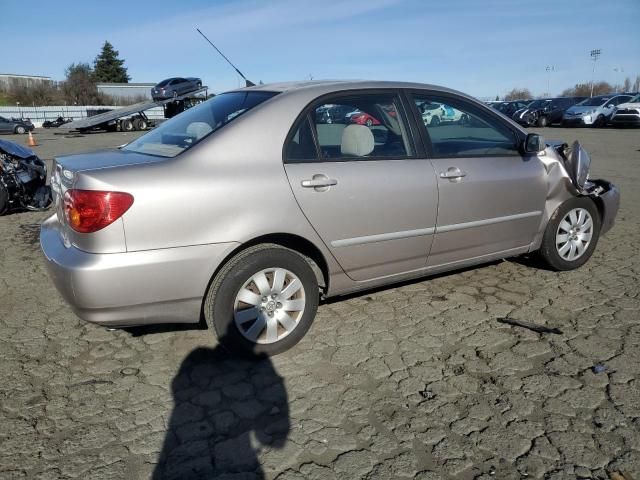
32, 141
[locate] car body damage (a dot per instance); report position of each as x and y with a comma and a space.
23, 179
567, 168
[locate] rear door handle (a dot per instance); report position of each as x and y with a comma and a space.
319, 182
453, 173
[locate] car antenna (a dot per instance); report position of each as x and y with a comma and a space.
248, 83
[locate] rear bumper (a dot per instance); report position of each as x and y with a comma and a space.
132, 288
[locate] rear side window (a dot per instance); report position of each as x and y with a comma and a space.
459, 129
348, 128
187, 129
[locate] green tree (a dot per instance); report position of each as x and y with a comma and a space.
80, 87
108, 67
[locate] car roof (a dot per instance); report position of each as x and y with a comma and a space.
327, 86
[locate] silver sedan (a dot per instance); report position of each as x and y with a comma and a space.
247, 209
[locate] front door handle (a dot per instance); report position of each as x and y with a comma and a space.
453, 173
319, 182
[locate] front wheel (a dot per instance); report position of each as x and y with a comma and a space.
21, 130
571, 235
263, 301
600, 122
543, 121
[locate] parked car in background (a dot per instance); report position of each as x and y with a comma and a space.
15, 125
627, 113
174, 87
334, 114
594, 111
510, 107
546, 111
363, 118
212, 214
435, 114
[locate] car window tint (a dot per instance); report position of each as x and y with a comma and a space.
301, 147
458, 129
361, 127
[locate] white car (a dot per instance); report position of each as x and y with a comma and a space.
436, 113
627, 113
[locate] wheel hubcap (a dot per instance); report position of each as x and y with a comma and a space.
574, 234
269, 306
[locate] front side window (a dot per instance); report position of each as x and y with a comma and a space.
366, 126
459, 129
187, 129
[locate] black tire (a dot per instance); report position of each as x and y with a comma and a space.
175, 94
4, 199
140, 124
219, 302
543, 121
435, 121
464, 120
20, 130
600, 122
548, 251
127, 125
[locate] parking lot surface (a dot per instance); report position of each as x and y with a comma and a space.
417, 381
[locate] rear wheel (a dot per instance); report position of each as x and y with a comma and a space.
127, 125
263, 300
21, 130
140, 124
435, 121
543, 121
571, 235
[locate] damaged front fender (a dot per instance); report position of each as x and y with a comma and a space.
567, 169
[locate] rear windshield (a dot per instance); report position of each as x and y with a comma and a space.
191, 126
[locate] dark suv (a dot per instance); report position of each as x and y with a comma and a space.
546, 111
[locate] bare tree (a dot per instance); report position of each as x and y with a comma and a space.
626, 86
584, 89
636, 84
518, 94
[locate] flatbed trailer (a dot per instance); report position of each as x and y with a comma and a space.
132, 117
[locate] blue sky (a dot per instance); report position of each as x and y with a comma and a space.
483, 48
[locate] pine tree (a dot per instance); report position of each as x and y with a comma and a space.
107, 67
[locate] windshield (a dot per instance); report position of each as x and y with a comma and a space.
594, 102
539, 104
190, 127
635, 99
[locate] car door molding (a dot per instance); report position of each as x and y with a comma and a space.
489, 221
349, 242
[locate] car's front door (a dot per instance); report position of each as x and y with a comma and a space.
491, 197
366, 190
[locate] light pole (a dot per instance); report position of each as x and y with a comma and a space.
594, 56
621, 71
549, 69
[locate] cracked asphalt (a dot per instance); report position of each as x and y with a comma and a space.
417, 381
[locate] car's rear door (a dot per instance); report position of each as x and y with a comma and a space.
491, 197
367, 191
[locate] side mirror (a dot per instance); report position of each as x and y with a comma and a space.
534, 143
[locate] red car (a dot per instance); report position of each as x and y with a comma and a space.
363, 118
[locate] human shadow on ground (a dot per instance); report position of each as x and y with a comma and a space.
226, 410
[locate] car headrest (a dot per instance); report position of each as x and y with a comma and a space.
357, 140
197, 130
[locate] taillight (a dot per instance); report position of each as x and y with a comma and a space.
88, 211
